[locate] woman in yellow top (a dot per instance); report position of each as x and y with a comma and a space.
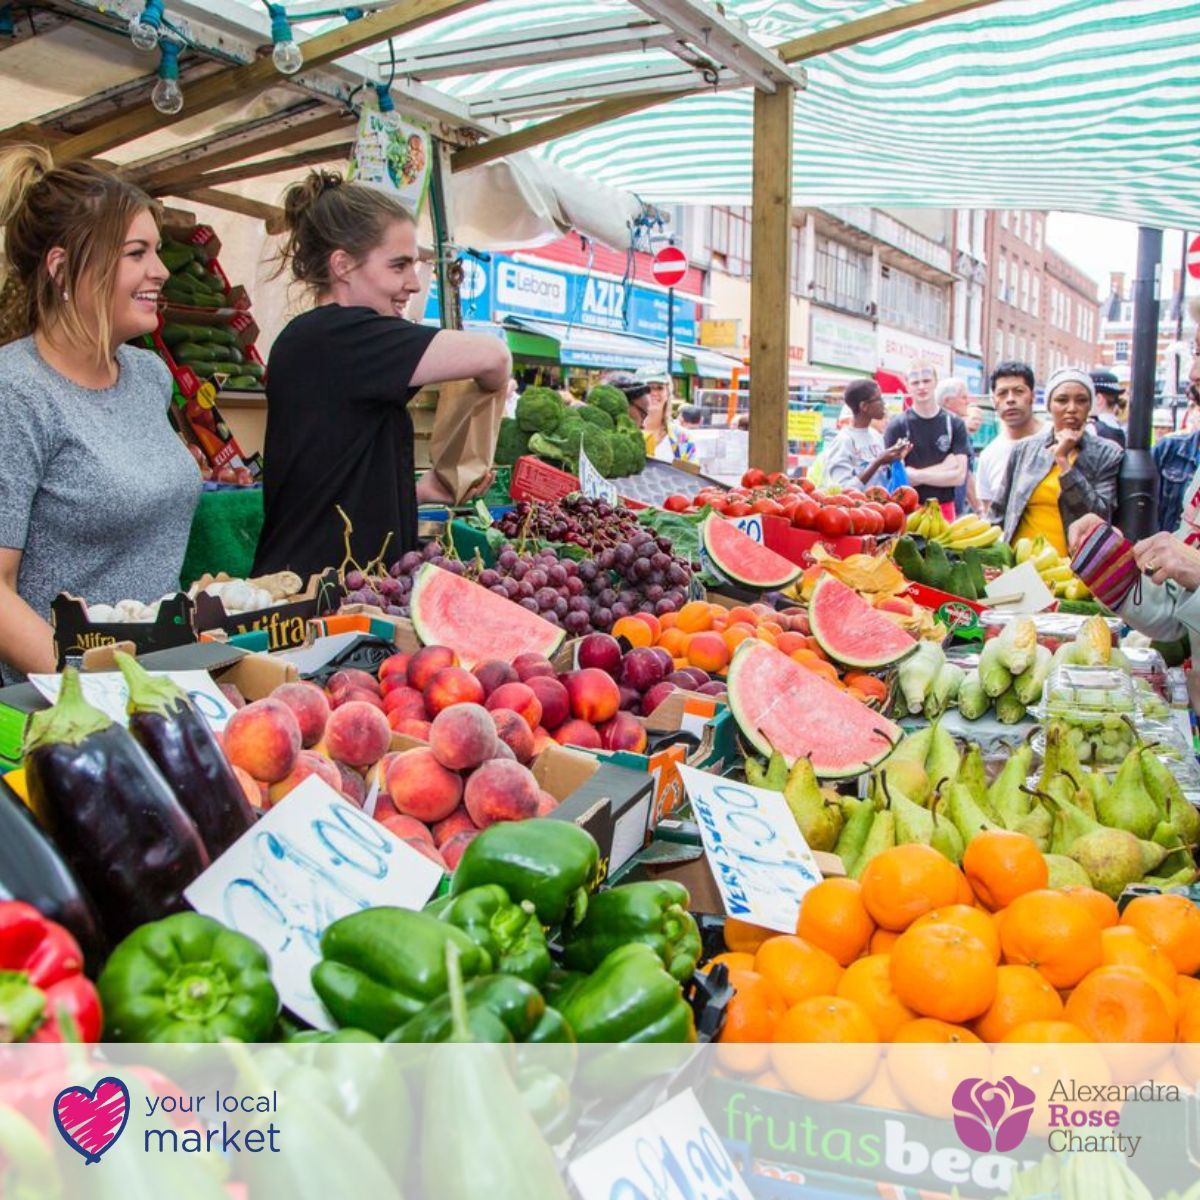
1059, 474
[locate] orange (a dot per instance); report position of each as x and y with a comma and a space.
635, 631
1102, 907
750, 1019
833, 917
925, 1029
1172, 923
1120, 1004
868, 982
826, 1048
775, 628
1000, 866
972, 920
882, 941
741, 935
798, 968
668, 620
674, 642
1187, 986
869, 685
1042, 1032
880, 1093
1124, 946
1189, 1017
733, 960
708, 651
1022, 995
695, 617
904, 883
925, 1074
944, 972
1054, 933
965, 895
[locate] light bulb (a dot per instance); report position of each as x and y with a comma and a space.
287, 57
143, 35
167, 97
387, 106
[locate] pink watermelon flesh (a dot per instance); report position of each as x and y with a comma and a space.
743, 560
478, 625
849, 630
778, 705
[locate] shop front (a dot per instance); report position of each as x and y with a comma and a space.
900, 351
969, 367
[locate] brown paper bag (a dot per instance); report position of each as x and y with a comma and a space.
465, 427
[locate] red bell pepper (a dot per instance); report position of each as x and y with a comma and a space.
44, 996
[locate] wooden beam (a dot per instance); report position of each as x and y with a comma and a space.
770, 293
850, 33
245, 82
236, 204
575, 121
269, 166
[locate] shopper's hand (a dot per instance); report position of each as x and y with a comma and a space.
1066, 443
1164, 557
1081, 530
431, 490
892, 453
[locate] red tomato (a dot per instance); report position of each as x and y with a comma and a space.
676, 503
777, 477
878, 495
808, 486
876, 523
841, 500
767, 505
718, 504
855, 495
817, 496
754, 478
833, 522
893, 518
907, 498
787, 507
738, 508
804, 515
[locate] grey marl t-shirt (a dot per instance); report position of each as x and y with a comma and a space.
96, 488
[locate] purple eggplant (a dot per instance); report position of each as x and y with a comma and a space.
111, 814
165, 723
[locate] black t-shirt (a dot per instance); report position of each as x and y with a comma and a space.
933, 439
339, 433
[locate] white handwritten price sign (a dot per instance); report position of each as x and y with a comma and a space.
311, 859
758, 856
672, 1154
751, 526
592, 484
107, 691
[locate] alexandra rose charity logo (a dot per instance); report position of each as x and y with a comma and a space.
992, 1116
91, 1121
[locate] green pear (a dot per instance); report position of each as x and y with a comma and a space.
818, 821
1129, 806
1081, 796
942, 761
1182, 878
913, 823
1178, 854
1112, 858
973, 775
1066, 872
969, 819
756, 773
906, 776
1060, 756
1070, 821
1097, 783
1038, 825
946, 840
881, 837
1165, 791
913, 747
858, 816
777, 773
1005, 796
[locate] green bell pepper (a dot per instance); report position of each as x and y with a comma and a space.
519, 1006
187, 978
653, 912
552, 864
629, 998
382, 966
511, 933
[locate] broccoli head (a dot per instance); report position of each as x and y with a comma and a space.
539, 410
595, 416
511, 443
609, 399
625, 421
562, 446
629, 451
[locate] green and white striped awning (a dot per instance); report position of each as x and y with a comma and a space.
1079, 105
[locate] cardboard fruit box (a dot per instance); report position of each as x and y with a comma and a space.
75, 633
286, 625
796, 545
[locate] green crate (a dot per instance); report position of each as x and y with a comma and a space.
467, 540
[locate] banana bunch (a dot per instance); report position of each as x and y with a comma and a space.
927, 522
1054, 568
969, 530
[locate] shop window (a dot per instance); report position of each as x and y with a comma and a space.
729, 237
913, 303
842, 275
1122, 352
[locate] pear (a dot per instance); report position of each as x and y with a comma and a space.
1006, 797
1081, 796
756, 773
946, 840
942, 761
882, 837
1097, 783
1178, 855
1129, 806
1070, 821
906, 776
1038, 825
818, 821
913, 747
969, 819
777, 773
1066, 872
913, 823
1165, 791
1182, 878
1060, 757
973, 775
1185, 818
857, 818
1114, 858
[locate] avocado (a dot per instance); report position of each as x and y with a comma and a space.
961, 583
975, 567
937, 567
908, 559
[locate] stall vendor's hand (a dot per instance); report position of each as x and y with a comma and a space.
1082, 529
1164, 557
481, 487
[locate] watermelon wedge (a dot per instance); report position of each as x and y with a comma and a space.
742, 560
779, 705
478, 625
850, 631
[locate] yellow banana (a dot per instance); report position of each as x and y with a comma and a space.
988, 536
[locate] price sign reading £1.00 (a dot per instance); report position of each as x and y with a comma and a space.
672, 1154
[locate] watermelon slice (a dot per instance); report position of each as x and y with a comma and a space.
478, 625
849, 630
779, 705
743, 560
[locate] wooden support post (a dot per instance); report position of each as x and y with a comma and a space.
770, 259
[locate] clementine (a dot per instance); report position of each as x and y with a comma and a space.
798, 968
1172, 923
1120, 1004
905, 882
944, 972
834, 918
1022, 995
1054, 933
868, 982
1000, 866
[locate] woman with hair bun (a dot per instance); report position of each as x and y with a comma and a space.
97, 491
340, 377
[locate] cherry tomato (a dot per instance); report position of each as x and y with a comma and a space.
718, 504
676, 503
767, 505
893, 518
907, 498
754, 478
804, 515
833, 522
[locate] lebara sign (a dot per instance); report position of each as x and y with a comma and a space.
526, 288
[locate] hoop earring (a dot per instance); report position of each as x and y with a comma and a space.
65, 295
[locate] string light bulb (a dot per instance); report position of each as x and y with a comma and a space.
167, 96
143, 28
387, 106
286, 55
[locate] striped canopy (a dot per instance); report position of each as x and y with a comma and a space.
1078, 105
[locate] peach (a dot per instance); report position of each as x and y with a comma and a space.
546, 803
541, 739
529, 665
353, 787
256, 792
501, 791
357, 734
405, 698
356, 696
427, 848
504, 750
377, 776
307, 763
493, 674
452, 685
578, 733
411, 727
594, 695
404, 716
459, 821
404, 826
552, 696
351, 677
624, 732
463, 736
427, 662
514, 733
395, 666
452, 850
310, 707
421, 787
264, 738
520, 698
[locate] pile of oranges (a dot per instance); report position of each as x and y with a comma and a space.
705, 635
911, 954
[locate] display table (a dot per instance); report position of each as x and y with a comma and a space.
224, 534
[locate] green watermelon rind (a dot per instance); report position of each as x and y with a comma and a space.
755, 736
473, 597
827, 636
732, 573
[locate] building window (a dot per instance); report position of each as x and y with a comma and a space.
729, 240
1122, 352
799, 284
1024, 289
1035, 299
1037, 233
1032, 360
1001, 275
999, 347
912, 303
1026, 228
842, 275
1004, 218
1013, 272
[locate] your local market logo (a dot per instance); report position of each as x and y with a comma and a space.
90, 1122
992, 1116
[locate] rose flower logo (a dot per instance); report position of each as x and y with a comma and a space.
992, 1116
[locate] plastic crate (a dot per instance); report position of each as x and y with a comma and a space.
533, 479
796, 545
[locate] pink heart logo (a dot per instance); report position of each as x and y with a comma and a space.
90, 1122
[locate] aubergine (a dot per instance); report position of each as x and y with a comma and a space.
111, 814
165, 723
31, 869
